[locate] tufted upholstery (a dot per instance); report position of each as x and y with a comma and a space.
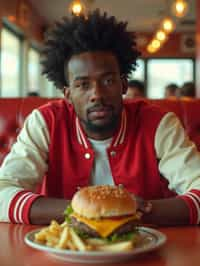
188, 112
14, 110
12, 114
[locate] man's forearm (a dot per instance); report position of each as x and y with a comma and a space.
173, 211
43, 210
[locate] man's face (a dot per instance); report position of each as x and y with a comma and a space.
95, 90
169, 93
133, 92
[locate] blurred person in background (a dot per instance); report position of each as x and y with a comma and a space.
187, 91
171, 91
136, 89
33, 94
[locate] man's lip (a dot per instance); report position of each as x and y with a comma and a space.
99, 112
99, 109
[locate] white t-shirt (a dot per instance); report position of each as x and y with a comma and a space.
101, 173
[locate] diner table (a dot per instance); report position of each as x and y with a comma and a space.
181, 249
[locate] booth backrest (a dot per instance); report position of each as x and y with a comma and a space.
188, 112
14, 110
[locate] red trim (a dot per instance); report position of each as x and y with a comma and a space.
19, 199
119, 138
192, 208
12, 205
27, 206
197, 193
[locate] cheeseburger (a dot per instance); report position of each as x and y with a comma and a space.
104, 211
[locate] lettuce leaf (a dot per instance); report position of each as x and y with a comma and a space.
123, 237
68, 211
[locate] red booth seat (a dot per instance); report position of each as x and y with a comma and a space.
12, 114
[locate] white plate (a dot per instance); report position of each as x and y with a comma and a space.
152, 239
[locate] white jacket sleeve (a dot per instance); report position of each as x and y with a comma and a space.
24, 168
179, 163
179, 159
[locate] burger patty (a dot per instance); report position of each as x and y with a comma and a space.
125, 228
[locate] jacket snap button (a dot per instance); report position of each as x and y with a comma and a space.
112, 153
87, 155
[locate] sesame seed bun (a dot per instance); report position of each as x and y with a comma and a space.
103, 201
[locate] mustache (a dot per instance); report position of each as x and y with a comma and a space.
98, 107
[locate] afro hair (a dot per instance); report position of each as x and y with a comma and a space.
78, 34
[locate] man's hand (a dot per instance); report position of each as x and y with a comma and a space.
143, 206
170, 211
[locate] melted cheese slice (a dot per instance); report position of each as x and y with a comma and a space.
104, 226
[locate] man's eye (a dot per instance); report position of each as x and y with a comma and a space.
108, 81
82, 85
85, 85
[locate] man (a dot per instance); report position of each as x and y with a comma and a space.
187, 91
135, 89
92, 137
171, 91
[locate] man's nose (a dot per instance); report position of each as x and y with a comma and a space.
96, 91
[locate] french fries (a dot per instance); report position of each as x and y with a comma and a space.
62, 236
77, 241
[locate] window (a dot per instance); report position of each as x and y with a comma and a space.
139, 72
48, 88
34, 74
161, 72
10, 64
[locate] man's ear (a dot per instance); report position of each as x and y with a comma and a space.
66, 92
124, 84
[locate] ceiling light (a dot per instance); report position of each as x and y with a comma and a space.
180, 8
168, 25
151, 49
76, 8
161, 35
155, 43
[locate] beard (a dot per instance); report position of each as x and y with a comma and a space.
102, 128
92, 125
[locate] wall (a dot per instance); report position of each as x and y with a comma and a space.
22, 14
173, 47
198, 47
